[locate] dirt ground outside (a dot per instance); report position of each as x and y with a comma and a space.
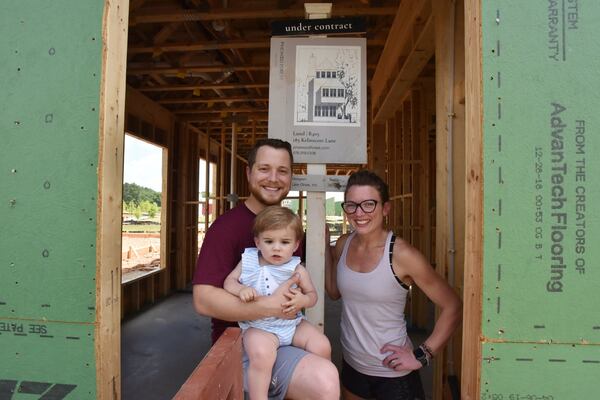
140, 253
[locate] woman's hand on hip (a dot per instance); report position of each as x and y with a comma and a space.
401, 358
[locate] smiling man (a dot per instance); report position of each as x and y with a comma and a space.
296, 373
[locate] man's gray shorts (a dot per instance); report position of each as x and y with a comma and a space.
285, 364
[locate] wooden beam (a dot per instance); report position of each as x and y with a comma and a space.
165, 32
135, 4
459, 181
422, 51
204, 118
405, 171
444, 43
473, 291
218, 126
189, 47
212, 100
222, 167
219, 375
107, 322
186, 71
237, 14
165, 209
217, 45
397, 45
220, 111
183, 177
207, 181
218, 86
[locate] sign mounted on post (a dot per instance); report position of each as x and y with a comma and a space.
305, 27
320, 183
318, 98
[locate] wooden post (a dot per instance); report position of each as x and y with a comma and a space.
471, 350
222, 167
233, 173
182, 193
110, 170
315, 237
207, 183
378, 149
301, 204
448, 147
164, 210
406, 156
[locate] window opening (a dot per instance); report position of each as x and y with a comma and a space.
143, 213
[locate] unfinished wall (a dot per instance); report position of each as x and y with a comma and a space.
540, 322
59, 121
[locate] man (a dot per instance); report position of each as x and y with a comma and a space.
296, 373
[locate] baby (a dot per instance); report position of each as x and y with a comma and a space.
277, 234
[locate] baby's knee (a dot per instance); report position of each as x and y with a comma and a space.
261, 355
320, 346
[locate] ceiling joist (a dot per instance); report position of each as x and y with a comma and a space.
150, 16
220, 45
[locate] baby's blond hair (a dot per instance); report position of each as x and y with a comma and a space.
277, 217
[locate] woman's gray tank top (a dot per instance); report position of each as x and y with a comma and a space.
372, 313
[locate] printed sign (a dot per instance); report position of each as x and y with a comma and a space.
305, 27
317, 98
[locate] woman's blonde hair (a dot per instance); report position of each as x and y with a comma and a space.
277, 217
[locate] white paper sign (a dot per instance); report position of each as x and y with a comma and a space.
317, 98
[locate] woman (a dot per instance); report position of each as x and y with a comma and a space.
378, 357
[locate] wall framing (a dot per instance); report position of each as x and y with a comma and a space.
110, 188
472, 294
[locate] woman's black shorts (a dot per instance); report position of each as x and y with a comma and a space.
408, 387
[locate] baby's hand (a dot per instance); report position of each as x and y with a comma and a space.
295, 301
248, 294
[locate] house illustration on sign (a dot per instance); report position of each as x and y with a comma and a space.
326, 91
326, 95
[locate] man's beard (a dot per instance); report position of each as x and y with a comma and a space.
258, 194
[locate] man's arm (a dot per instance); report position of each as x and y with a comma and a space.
216, 302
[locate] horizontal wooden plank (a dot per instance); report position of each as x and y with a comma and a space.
231, 14
219, 111
184, 71
219, 375
219, 86
236, 99
217, 45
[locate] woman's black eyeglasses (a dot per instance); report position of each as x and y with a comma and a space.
368, 206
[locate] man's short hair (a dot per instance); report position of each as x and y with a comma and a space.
277, 217
274, 143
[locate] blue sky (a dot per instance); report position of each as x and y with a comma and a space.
143, 163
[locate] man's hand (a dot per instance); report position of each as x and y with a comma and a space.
247, 294
275, 302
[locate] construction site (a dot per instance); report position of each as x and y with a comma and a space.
477, 113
